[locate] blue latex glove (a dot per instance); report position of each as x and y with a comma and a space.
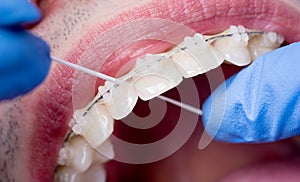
24, 58
261, 103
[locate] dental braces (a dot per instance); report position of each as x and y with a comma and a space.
117, 82
161, 58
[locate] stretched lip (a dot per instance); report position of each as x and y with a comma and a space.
202, 16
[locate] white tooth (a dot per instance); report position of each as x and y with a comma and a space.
81, 154
155, 77
272, 36
96, 126
196, 56
234, 48
96, 173
245, 37
121, 100
66, 174
241, 29
105, 152
261, 44
63, 156
233, 29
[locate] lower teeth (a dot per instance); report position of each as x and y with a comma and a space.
79, 161
149, 78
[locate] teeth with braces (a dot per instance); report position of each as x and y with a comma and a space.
267, 42
151, 76
161, 76
119, 101
235, 48
96, 126
195, 56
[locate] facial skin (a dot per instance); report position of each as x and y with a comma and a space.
33, 127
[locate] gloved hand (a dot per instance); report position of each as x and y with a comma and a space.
259, 104
24, 58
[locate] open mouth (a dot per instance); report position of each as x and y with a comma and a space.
107, 41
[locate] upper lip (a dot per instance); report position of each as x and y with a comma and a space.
203, 16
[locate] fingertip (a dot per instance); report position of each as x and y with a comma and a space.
261, 101
223, 116
18, 12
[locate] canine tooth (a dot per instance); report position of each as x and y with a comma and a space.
261, 44
155, 77
80, 153
121, 100
96, 126
234, 48
66, 174
196, 56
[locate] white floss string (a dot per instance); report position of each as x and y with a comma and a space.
114, 80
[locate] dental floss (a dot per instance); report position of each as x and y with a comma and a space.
182, 105
114, 80
86, 70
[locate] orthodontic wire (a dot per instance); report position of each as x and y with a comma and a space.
114, 80
117, 81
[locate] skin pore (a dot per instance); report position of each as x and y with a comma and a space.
33, 123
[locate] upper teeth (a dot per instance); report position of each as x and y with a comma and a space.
259, 45
151, 76
119, 102
199, 57
160, 77
235, 48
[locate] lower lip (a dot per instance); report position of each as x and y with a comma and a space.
52, 126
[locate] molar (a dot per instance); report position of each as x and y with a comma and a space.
261, 44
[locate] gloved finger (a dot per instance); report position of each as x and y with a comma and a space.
16, 12
262, 102
24, 62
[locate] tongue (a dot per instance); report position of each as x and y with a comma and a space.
267, 172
